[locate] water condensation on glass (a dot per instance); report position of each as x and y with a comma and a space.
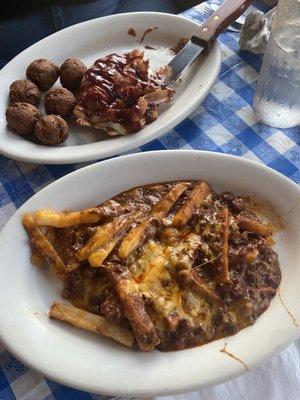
277, 96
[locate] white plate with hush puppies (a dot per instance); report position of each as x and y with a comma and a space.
88, 42
91, 362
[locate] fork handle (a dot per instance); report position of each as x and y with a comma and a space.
227, 13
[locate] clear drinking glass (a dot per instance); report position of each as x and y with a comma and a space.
277, 95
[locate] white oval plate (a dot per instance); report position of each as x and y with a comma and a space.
89, 362
89, 41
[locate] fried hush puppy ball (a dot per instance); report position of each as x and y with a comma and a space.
22, 117
43, 73
24, 91
71, 73
51, 130
59, 101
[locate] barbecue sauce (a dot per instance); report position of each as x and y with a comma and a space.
112, 91
131, 32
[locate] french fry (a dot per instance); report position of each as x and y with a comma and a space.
87, 216
224, 276
134, 307
43, 246
193, 201
161, 209
91, 322
190, 279
66, 219
97, 258
103, 234
133, 239
36, 259
136, 236
254, 226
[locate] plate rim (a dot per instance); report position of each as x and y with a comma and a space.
165, 391
139, 140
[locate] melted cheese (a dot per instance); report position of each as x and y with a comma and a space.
155, 272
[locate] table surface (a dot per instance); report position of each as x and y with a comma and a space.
225, 123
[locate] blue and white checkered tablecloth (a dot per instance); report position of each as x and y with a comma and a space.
225, 122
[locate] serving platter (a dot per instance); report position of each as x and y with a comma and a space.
89, 41
92, 363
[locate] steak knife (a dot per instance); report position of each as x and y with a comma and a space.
204, 37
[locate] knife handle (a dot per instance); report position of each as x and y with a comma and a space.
227, 13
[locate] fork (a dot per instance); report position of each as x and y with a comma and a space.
236, 26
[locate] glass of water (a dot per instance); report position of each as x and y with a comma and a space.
277, 95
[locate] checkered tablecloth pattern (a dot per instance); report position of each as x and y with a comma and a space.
225, 122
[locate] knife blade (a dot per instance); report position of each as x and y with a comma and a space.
205, 36
183, 59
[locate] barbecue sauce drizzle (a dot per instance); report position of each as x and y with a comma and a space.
98, 91
147, 31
